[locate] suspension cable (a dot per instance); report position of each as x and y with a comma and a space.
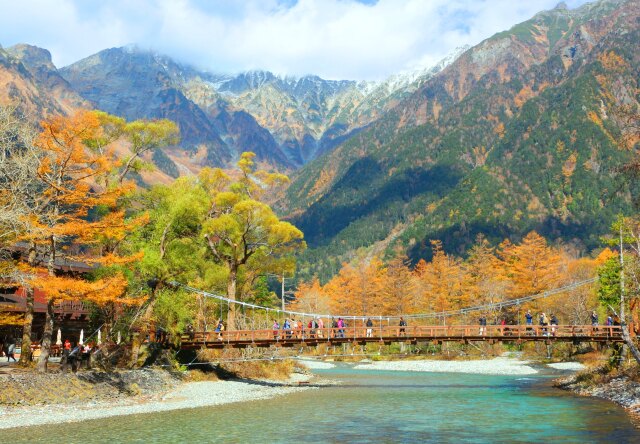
494, 305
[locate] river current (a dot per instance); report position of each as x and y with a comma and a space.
375, 406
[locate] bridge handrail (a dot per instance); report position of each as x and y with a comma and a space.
409, 332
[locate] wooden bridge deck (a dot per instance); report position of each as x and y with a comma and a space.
409, 334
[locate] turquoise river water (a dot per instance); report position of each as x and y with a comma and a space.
374, 406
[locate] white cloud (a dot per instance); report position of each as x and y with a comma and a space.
331, 38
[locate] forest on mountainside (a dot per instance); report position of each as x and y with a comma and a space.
526, 142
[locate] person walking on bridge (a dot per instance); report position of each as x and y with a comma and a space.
369, 325
529, 321
219, 329
340, 326
287, 328
276, 328
554, 324
403, 324
610, 324
544, 321
594, 319
483, 325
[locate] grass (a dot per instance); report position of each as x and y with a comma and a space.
277, 369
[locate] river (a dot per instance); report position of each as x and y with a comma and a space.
374, 406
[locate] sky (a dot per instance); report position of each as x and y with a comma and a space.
335, 39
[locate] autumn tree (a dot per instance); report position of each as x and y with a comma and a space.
145, 136
532, 265
620, 279
240, 230
486, 281
173, 251
74, 183
311, 298
399, 286
441, 281
575, 306
19, 192
358, 288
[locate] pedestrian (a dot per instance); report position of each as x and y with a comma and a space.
275, 328
86, 354
340, 326
310, 326
483, 325
219, 329
296, 326
320, 327
403, 324
190, 332
72, 359
11, 350
334, 326
544, 321
554, 324
594, 319
529, 321
369, 328
287, 328
610, 324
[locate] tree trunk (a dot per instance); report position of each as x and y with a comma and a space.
45, 346
629, 342
25, 354
625, 329
231, 294
141, 335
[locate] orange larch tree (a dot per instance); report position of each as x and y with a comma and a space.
79, 208
399, 287
486, 280
358, 289
534, 266
442, 281
311, 298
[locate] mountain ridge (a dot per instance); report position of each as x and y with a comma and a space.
453, 132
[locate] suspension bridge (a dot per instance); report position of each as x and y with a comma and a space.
356, 331
408, 334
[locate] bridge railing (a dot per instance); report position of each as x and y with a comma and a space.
432, 332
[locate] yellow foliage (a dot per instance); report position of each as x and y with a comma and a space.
569, 166
357, 290
523, 95
611, 61
10, 319
100, 292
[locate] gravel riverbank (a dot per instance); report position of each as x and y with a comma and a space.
622, 389
184, 396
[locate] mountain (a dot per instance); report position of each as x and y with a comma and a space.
30, 81
141, 85
516, 134
287, 121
